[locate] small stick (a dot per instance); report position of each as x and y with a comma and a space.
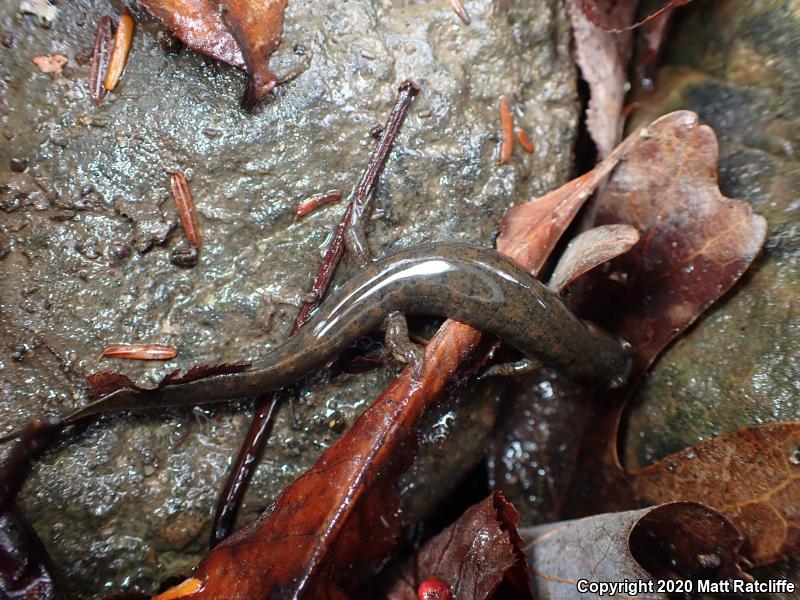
100, 58
310, 204
140, 352
257, 434
186, 211
458, 8
507, 122
591, 13
524, 140
356, 239
123, 37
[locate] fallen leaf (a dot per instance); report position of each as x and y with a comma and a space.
321, 530
37, 437
106, 382
479, 557
25, 568
603, 58
590, 249
530, 231
257, 26
198, 25
695, 243
751, 475
683, 540
50, 63
535, 444
244, 34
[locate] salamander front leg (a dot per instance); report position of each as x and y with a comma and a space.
400, 346
521, 367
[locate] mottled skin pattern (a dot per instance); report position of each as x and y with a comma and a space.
474, 285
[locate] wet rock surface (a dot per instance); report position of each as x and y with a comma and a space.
89, 236
735, 64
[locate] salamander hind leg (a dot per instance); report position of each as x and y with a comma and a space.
400, 346
520, 367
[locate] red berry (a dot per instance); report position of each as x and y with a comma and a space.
434, 589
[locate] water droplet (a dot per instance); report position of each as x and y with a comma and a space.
709, 561
617, 382
794, 455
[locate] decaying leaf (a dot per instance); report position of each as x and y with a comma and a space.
603, 58
530, 231
243, 33
751, 475
257, 26
37, 437
684, 540
197, 24
25, 568
536, 442
479, 556
695, 243
589, 250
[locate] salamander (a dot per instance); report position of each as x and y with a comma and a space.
474, 285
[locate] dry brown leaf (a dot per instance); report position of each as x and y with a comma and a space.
591, 249
199, 26
603, 58
243, 33
666, 541
751, 475
695, 243
479, 556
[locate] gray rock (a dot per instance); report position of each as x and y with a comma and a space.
736, 65
87, 262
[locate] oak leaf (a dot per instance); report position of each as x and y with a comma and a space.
243, 33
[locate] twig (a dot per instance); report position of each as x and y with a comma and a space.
352, 219
458, 8
100, 56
